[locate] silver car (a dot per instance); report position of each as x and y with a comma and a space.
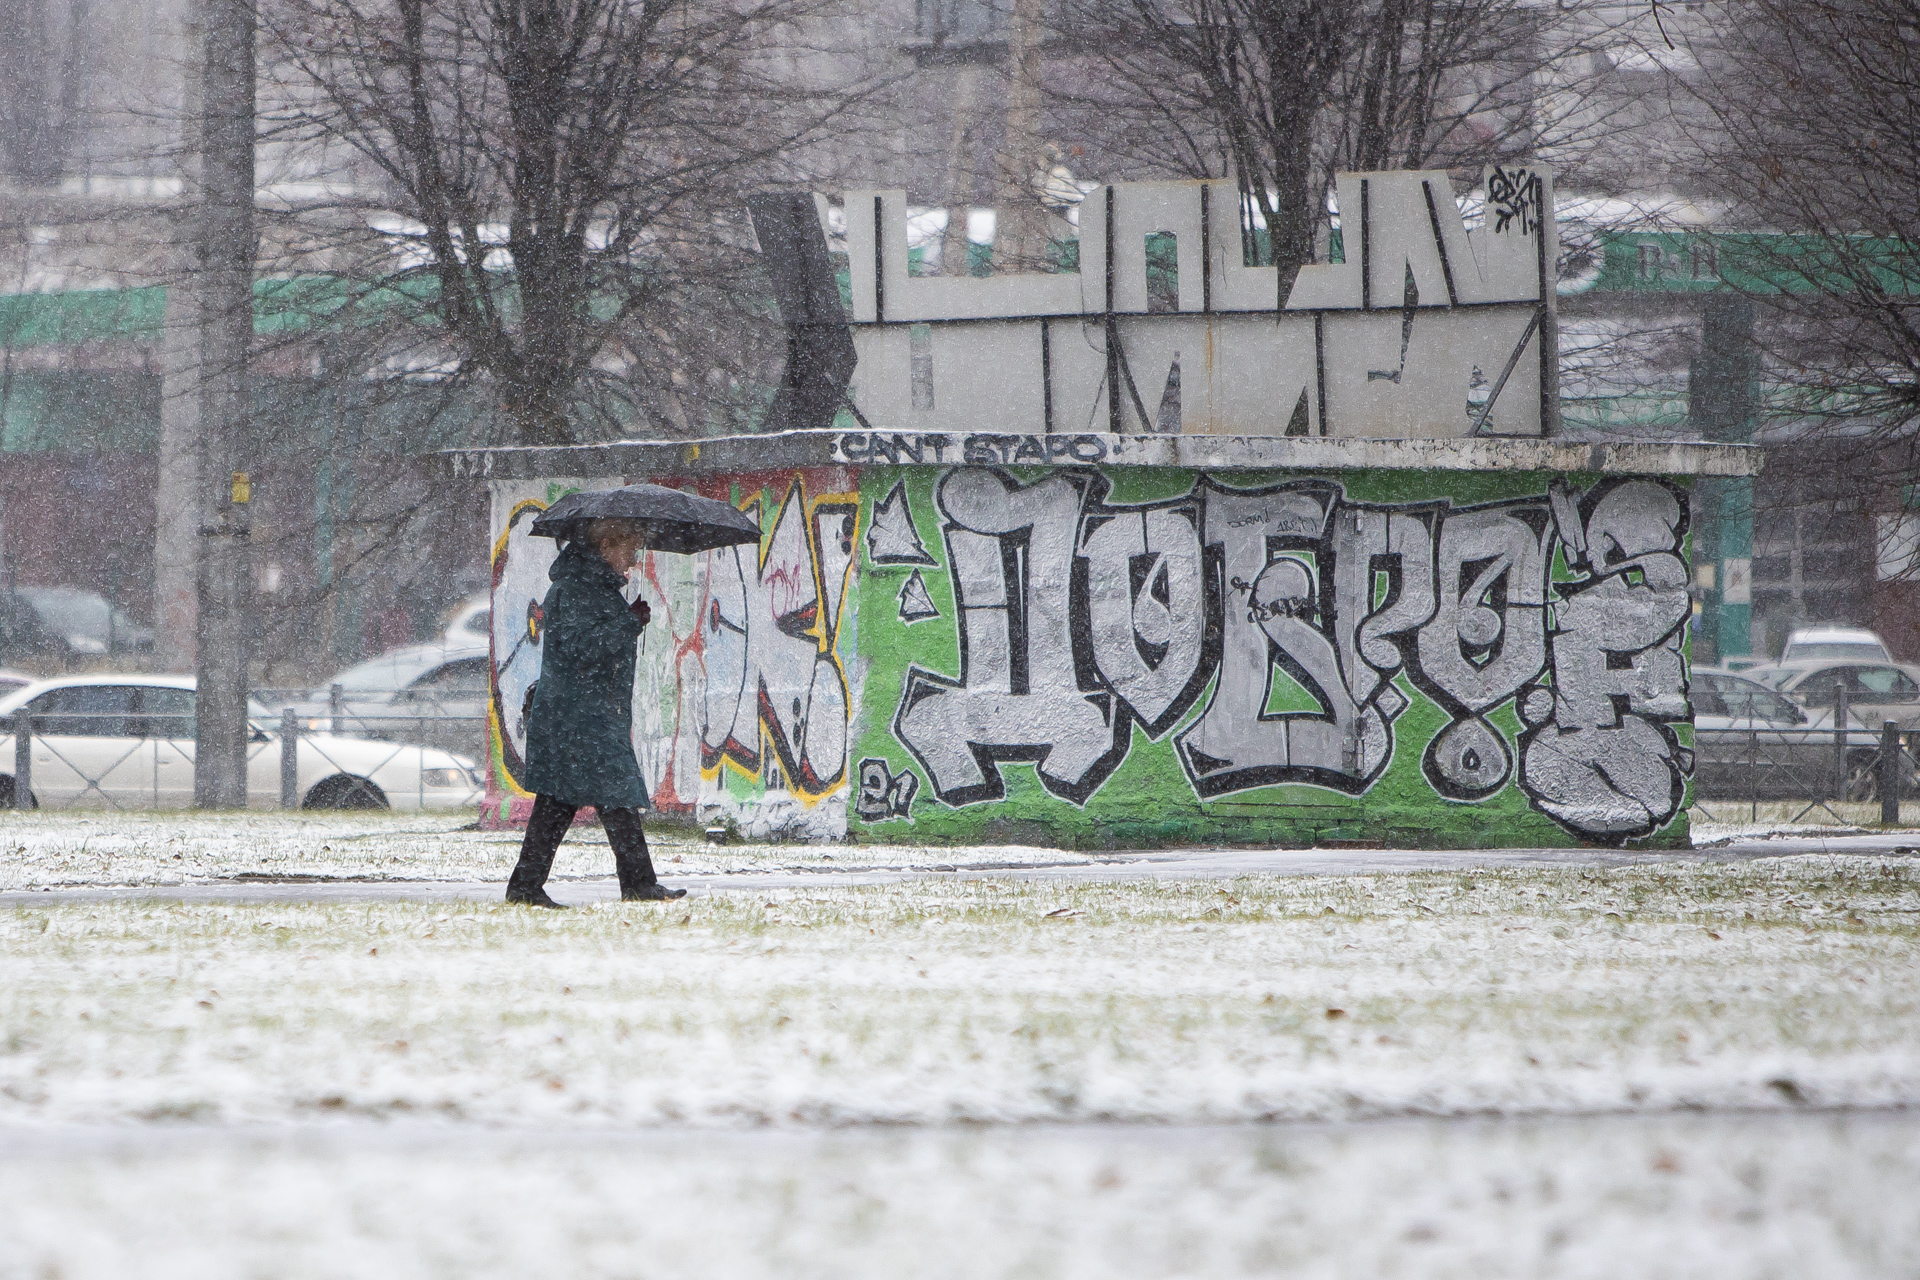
1751, 742
1876, 691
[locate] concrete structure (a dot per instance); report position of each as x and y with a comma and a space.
1098, 640
1367, 620
1421, 327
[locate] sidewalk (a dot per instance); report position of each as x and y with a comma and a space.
877, 865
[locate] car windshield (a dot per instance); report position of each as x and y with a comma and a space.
1835, 651
1885, 684
385, 673
69, 610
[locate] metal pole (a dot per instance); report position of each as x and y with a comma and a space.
1891, 758
225, 268
22, 760
337, 705
289, 759
1753, 785
1841, 716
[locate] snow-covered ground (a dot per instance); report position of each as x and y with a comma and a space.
1789, 1196
1767, 984
1714, 1062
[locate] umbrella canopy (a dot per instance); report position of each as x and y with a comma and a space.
673, 521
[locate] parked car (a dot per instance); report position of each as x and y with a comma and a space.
1875, 691
127, 741
471, 623
62, 624
427, 693
11, 680
1833, 644
1751, 741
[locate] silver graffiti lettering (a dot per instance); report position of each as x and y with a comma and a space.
1146, 608
1010, 549
1599, 756
1273, 628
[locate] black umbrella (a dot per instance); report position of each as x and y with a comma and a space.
672, 521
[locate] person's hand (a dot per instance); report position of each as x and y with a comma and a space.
641, 610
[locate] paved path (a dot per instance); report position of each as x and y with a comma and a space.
1212, 864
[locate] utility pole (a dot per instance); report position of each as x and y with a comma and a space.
176, 541
225, 579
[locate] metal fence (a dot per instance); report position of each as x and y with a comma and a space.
1842, 774
343, 754
131, 761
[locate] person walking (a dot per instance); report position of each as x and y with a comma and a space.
580, 721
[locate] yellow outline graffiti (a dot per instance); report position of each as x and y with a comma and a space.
827, 643
496, 732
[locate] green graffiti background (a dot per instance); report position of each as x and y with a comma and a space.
1147, 802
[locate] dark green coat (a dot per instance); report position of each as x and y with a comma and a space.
580, 727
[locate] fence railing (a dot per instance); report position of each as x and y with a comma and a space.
1809, 769
356, 756
128, 761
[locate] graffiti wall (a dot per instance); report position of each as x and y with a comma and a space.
1123, 656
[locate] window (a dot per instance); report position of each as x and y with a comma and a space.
86, 711
960, 21
1827, 652
169, 713
1883, 684
1703, 260
466, 676
1163, 272
1743, 699
1818, 689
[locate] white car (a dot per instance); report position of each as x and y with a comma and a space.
1876, 691
1833, 644
471, 623
127, 742
429, 693
1751, 742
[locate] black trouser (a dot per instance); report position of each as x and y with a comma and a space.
548, 826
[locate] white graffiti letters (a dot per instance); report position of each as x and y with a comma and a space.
1600, 757
1018, 697
1078, 620
1277, 627
770, 647
1146, 608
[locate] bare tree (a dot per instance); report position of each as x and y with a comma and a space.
1817, 108
1436, 83
545, 196
1210, 86
1280, 93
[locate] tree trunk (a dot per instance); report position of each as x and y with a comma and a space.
1020, 237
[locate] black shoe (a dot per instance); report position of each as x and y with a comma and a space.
534, 898
655, 892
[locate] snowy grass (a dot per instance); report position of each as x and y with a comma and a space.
1776, 984
1788, 1196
